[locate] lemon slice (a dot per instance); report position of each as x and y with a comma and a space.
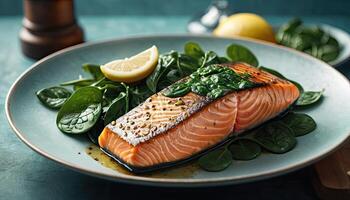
132, 69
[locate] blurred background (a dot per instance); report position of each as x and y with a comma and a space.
104, 19
185, 7
122, 16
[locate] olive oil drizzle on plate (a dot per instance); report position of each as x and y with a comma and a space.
185, 171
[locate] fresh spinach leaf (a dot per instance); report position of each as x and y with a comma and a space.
329, 52
94, 70
210, 58
105, 83
173, 66
185, 66
53, 97
138, 94
285, 33
188, 63
111, 92
127, 97
96, 73
216, 160
165, 63
292, 25
309, 97
163, 83
194, 50
239, 53
81, 111
275, 137
116, 109
301, 42
243, 149
82, 82
173, 76
224, 60
300, 123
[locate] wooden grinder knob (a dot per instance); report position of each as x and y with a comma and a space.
48, 26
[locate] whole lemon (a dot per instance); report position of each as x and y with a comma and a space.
245, 25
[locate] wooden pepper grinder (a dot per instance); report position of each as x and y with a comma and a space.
48, 26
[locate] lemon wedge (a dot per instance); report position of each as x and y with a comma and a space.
245, 25
132, 69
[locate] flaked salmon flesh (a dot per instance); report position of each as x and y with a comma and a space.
165, 130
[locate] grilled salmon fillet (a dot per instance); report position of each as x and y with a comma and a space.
166, 130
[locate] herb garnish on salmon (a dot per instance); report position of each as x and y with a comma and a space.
212, 81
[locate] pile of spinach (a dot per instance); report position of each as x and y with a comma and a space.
312, 40
86, 105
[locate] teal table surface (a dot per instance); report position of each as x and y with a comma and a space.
27, 175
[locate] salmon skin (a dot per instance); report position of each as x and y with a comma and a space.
164, 131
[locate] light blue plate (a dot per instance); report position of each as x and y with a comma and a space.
35, 125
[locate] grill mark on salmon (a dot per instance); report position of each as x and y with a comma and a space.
196, 125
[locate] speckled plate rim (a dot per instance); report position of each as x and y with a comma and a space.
164, 182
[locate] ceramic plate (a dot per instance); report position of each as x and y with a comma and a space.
35, 125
